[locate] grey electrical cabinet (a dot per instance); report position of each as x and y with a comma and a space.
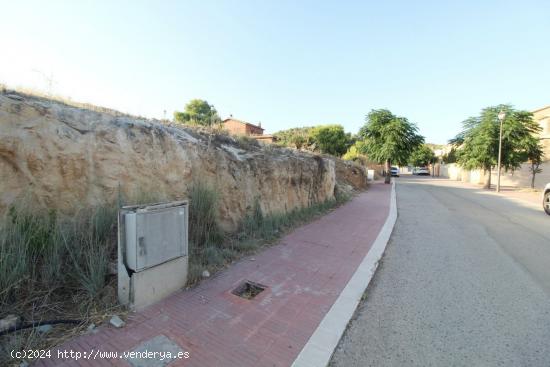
153, 249
155, 235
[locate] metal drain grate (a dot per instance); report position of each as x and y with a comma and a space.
248, 289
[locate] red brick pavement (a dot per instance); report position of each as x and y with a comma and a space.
304, 274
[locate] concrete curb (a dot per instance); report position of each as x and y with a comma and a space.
321, 345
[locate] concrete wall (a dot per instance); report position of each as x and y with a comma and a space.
518, 178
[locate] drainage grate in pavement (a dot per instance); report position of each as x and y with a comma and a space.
248, 289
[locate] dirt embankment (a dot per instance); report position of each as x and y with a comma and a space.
68, 157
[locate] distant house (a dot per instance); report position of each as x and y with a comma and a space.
238, 127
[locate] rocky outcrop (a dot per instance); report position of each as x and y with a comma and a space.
66, 157
350, 174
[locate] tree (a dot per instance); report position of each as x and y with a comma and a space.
298, 137
389, 139
198, 112
477, 144
450, 157
422, 156
331, 139
354, 152
535, 154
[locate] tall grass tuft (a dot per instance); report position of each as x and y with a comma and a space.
205, 235
203, 208
256, 225
41, 252
89, 240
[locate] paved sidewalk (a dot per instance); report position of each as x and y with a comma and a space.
526, 195
304, 275
518, 194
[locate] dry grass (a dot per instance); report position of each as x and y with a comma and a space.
57, 268
45, 97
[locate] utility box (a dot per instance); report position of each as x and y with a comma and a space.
152, 252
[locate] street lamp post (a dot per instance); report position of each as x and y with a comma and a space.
501, 116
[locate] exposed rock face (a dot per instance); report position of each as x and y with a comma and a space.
351, 174
69, 158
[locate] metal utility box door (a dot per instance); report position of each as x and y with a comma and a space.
155, 235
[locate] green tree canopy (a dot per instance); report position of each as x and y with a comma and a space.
298, 137
422, 156
477, 144
354, 152
331, 139
535, 155
389, 139
198, 112
450, 157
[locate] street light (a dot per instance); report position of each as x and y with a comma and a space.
501, 116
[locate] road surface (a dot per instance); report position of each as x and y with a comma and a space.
465, 281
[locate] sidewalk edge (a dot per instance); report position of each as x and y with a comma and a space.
321, 345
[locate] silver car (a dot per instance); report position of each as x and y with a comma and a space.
546, 199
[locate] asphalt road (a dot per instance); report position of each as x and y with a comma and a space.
465, 281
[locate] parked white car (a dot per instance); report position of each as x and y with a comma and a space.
546, 199
421, 171
394, 171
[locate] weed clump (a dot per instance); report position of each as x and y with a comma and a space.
203, 208
39, 251
54, 268
205, 235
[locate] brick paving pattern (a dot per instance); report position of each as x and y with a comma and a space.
303, 274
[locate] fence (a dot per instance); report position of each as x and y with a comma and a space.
519, 178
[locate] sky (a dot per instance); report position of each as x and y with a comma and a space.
285, 63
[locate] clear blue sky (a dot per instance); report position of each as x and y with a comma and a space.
286, 63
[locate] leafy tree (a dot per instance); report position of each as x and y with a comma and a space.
389, 139
198, 112
298, 137
354, 152
450, 157
422, 156
478, 142
331, 139
535, 154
